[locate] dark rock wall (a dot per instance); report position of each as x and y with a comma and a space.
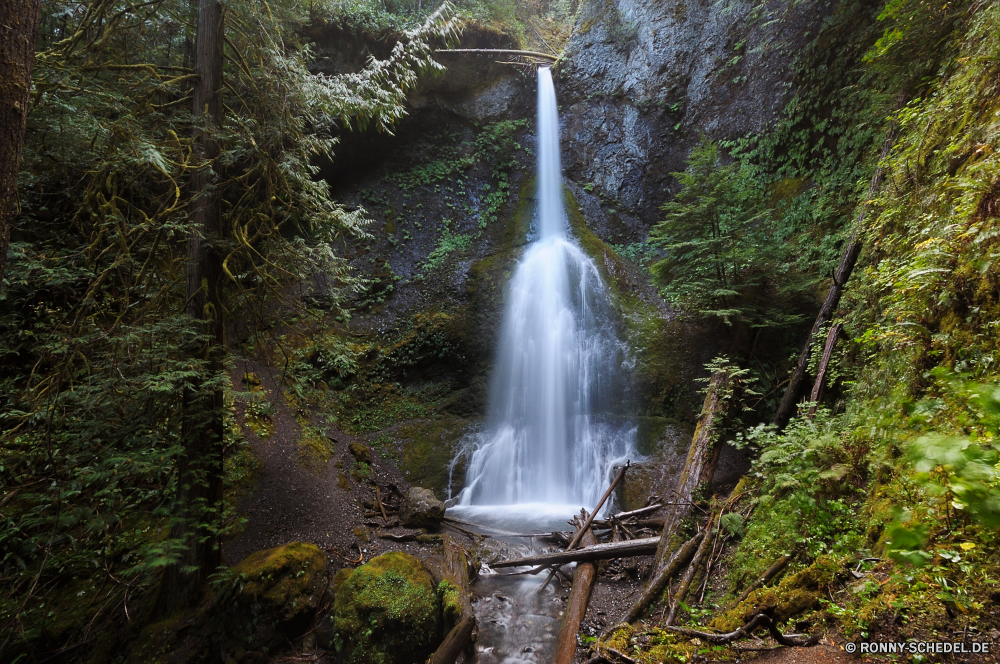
642, 79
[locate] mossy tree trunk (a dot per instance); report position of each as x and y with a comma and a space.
199, 473
698, 470
18, 32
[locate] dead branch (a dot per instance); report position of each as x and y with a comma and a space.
637, 547
685, 584
760, 620
590, 519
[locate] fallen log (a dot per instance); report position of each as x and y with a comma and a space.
689, 574
455, 567
590, 519
760, 620
658, 583
576, 605
501, 51
698, 469
637, 547
771, 572
621, 516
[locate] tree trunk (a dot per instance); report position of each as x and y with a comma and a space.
797, 383
824, 364
18, 33
698, 469
576, 606
636, 547
199, 472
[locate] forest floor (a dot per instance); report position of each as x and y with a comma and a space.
299, 496
296, 497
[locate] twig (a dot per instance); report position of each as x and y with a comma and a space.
760, 620
590, 519
378, 499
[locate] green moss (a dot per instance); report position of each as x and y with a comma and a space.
428, 448
387, 612
451, 602
795, 595
286, 578
314, 447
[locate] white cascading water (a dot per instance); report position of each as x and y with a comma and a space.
554, 426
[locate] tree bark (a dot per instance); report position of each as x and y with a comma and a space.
576, 606
824, 364
636, 547
18, 34
797, 383
199, 471
454, 568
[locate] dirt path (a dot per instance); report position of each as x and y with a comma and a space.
307, 502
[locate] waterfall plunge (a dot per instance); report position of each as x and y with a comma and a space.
554, 426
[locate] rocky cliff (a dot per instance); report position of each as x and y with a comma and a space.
642, 79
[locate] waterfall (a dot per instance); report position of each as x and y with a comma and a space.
554, 426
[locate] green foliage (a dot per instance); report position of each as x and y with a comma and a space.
96, 357
808, 481
723, 260
447, 244
387, 611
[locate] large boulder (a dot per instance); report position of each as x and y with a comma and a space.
421, 509
386, 612
281, 590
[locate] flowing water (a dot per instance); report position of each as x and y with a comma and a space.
555, 425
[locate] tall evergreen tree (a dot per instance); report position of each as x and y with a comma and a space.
18, 32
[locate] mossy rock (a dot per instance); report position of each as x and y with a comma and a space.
665, 443
428, 448
387, 612
283, 588
360, 452
795, 595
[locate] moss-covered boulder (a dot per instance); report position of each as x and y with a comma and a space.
386, 612
281, 590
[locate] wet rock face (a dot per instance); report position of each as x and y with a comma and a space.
643, 79
421, 509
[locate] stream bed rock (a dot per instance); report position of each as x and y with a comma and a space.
421, 509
